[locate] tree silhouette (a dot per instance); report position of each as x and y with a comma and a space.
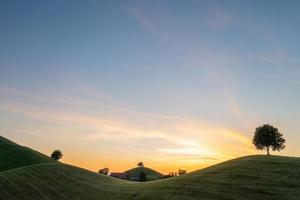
268, 137
181, 172
143, 176
104, 171
140, 164
56, 155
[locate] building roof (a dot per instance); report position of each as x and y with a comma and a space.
119, 175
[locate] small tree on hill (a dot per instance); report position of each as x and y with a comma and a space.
140, 164
56, 155
181, 172
143, 176
267, 137
104, 171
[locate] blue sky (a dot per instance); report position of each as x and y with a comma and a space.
132, 77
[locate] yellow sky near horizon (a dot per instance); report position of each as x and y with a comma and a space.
172, 84
164, 143
94, 136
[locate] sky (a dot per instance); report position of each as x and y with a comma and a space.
175, 84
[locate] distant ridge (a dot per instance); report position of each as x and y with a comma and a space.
13, 155
150, 173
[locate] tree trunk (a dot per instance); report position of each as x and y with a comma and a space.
268, 150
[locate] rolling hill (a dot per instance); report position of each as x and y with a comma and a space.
150, 173
13, 155
247, 178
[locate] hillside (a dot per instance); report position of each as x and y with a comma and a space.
13, 155
150, 173
247, 178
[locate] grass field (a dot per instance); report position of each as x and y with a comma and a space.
13, 155
246, 178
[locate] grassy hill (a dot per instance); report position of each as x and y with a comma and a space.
150, 173
13, 155
247, 178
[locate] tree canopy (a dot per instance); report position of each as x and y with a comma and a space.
104, 171
140, 164
56, 155
268, 137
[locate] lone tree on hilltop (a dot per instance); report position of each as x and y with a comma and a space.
56, 155
140, 164
268, 137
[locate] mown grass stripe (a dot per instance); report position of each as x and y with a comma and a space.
5, 192
250, 178
38, 181
28, 182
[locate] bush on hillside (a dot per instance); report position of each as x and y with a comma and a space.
56, 155
104, 171
140, 164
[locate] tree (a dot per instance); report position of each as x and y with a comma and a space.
268, 137
181, 172
143, 176
104, 171
56, 155
140, 164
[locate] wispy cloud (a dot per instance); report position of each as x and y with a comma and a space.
181, 140
113, 125
142, 20
7, 92
146, 23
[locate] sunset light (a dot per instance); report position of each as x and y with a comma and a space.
97, 94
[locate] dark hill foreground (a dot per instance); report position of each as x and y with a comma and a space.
150, 173
246, 178
13, 155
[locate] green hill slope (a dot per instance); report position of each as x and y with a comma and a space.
13, 155
150, 173
247, 178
